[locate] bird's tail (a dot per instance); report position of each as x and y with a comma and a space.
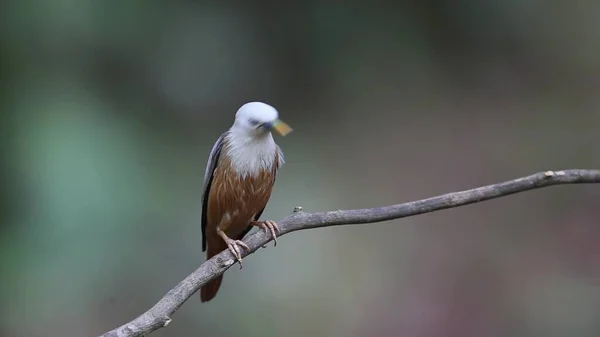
210, 289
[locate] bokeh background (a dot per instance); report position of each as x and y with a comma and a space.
110, 108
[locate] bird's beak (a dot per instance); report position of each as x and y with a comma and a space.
279, 126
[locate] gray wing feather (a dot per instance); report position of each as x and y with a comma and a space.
213, 159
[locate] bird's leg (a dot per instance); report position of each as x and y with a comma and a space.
233, 245
269, 227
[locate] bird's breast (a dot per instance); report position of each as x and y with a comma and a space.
234, 199
251, 157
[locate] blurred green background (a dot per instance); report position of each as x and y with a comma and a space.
110, 108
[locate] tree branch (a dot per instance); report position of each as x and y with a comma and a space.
159, 315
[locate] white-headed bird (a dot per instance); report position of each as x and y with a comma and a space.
238, 181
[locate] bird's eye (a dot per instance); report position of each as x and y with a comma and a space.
253, 122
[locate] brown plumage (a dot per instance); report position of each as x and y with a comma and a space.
233, 203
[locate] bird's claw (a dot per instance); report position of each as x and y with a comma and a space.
269, 227
234, 248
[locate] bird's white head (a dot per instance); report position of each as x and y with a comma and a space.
256, 119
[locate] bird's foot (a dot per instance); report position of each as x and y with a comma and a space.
234, 246
269, 227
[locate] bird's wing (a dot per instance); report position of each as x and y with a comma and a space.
213, 159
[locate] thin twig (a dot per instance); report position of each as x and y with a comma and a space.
159, 315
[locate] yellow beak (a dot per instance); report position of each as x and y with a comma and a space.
280, 127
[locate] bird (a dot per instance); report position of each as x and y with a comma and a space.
238, 181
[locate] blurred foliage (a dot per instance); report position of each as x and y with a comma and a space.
110, 108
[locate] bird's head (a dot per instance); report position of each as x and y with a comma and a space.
258, 119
